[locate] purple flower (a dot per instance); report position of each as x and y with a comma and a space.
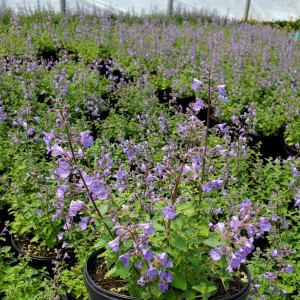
64, 170
234, 223
64, 245
114, 244
39, 212
61, 191
30, 131
220, 227
163, 286
60, 235
223, 128
151, 272
165, 262
76, 206
147, 227
196, 84
83, 223
269, 275
216, 253
147, 254
288, 269
99, 190
143, 280
206, 187
86, 140
125, 259
47, 139
222, 92
198, 105
265, 225
169, 212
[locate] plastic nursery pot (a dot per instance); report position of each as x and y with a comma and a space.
37, 262
184, 102
244, 292
164, 95
271, 146
290, 151
94, 291
97, 293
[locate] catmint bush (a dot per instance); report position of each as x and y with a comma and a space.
156, 221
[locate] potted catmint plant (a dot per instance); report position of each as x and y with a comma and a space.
156, 231
265, 125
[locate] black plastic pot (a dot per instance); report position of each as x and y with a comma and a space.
271, 146
243, 294
97, 293
37, 262
290, 151
184, 102
94, 291
164, 95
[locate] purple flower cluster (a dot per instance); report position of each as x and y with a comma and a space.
142, 251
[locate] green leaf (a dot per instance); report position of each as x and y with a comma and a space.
121, 270
178, 242
179, 281
189, 295
210, 289
212, 242
203, 229
103, 209
100, 244
201, 288
34, 239
108, 222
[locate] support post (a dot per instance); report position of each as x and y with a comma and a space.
247, 6
170, 7
63, 6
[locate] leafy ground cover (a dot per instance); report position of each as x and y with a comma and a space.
93, 79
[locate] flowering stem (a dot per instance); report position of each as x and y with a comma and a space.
80, 174
206, 138
181, 169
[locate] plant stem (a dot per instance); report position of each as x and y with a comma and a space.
206, 138
80, 174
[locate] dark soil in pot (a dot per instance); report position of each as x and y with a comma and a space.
40, 257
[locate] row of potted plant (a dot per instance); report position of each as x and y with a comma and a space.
141, 188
